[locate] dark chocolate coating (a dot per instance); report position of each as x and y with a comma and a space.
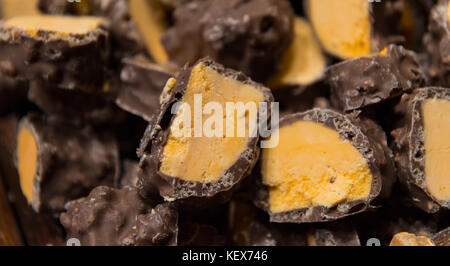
141, 85
125, 35
128, 176
151, 180
72, 62
13, 93
120, 217
372, 146
71, 161
248, 226
371, 80
249, 36
442, 238
437, 45
409, 147
386, 16
78, 106
298, 98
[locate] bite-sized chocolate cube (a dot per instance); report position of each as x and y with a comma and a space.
120, 217
66, 52
58, 162
437, 44
421, 147
182, 160
372, 80
326, 166
353, 28
249, 36
142, 83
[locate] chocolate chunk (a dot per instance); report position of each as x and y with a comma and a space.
58, 162
354, 28
65, 52
136, 25
437, 44
327, 166
249, 36
179, 165
371, 80
442, 238
141, 85
421, 147
120, 217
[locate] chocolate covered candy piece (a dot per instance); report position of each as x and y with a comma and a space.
249, 36
249, 227
421, 145
354, 28
64, 52
304, 61
437, 44
36, 228
12, 8
442, 238
372, 80
407, 239
58, 162
119, 217
136, 25
180, 159
326, 166
142, 83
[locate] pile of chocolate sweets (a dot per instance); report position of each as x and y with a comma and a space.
362, 144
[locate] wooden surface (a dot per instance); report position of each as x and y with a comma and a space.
37, 229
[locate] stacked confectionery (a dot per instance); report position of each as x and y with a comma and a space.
95, 144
